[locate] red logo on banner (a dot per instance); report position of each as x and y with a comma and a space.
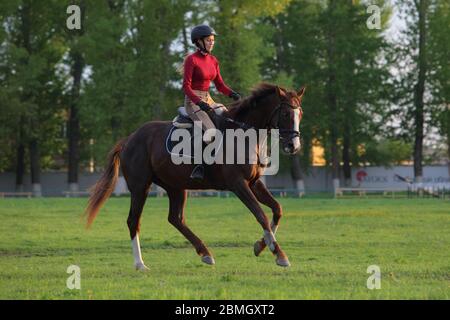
360, 175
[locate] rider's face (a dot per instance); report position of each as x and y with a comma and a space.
209, 42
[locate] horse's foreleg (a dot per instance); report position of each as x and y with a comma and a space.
245, 194
177, 200
265, 197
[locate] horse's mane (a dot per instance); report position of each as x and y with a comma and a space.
260, 91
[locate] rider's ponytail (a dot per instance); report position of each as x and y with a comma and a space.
180, 69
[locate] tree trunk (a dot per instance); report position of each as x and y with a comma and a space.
74, 123
25, 43
347, 169
448, 154
297, 175
348, 107
115, 128
447, 126
35, 167
33, 143
20, 167
73, 131
334, 138
332, 99
419, 92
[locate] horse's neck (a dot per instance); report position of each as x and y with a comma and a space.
256, 116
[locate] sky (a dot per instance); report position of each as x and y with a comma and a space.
396, 22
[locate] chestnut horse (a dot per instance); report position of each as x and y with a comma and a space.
143, 159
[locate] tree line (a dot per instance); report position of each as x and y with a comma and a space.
67, 95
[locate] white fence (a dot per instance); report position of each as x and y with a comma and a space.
318, 179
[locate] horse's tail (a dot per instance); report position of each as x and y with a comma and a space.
105, 186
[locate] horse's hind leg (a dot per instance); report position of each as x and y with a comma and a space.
265, 197
138, 198
177, 200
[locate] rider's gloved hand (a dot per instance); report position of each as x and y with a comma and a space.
235, 96
204, 106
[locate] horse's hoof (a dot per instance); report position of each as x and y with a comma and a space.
141, 267
208, 260
284, 262
258, 247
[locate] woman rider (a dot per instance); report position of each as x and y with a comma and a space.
199, 69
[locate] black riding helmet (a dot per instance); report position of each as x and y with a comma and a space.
201, 31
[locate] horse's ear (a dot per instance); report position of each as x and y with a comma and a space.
301, 92
280, 92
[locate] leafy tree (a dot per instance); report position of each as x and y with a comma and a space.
422, 66
240, 46
439, 46
328, 46
31, 49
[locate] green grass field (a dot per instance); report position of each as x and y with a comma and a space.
330, 244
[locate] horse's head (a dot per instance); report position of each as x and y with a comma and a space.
286, 117
272, 107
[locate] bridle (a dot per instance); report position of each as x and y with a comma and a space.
284, 133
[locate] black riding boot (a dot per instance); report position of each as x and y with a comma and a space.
198, 173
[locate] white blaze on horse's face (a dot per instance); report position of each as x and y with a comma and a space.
296, 139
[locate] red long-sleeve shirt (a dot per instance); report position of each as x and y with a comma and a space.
199, 71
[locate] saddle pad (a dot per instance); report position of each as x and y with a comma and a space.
188, 152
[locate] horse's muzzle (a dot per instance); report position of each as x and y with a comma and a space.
292, 146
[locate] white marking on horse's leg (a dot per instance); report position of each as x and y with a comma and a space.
258, 247
274, 227
138, 262
269, 239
